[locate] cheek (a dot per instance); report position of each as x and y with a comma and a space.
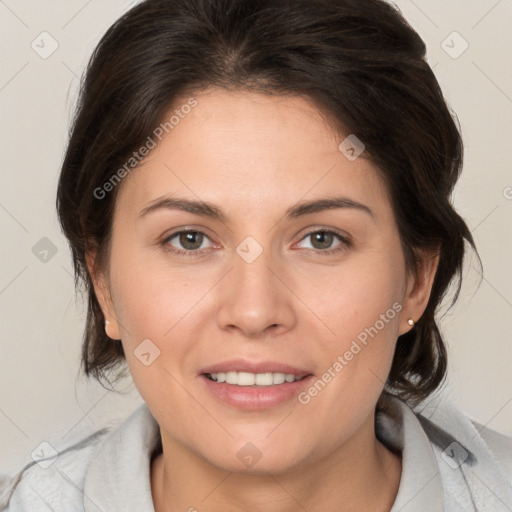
353, 296
156, 312
151, 299
359, 307
164, 305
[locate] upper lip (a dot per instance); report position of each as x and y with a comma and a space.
244, 365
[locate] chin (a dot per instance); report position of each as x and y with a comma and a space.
249, 459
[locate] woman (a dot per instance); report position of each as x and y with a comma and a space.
257, 198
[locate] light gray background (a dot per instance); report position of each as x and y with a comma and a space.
42, 397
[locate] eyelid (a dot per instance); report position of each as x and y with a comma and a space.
326, 229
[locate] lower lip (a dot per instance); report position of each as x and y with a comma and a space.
254, 398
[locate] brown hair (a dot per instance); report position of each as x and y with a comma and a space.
359, 61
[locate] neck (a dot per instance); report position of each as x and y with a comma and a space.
362, 474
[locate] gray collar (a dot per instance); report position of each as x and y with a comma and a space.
421, 488
118, 477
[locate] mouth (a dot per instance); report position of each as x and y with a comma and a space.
254, 379
253, 385
255, 391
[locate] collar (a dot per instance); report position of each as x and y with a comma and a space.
421, 487
118, 477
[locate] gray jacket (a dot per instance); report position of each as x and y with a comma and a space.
449, 464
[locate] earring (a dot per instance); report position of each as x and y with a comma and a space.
410, 322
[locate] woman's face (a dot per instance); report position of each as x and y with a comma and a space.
323, 291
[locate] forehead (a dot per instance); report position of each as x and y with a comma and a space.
250, 151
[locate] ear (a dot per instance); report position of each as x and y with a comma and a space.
102, 291
419, 287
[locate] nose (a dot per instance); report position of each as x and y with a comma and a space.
255, 298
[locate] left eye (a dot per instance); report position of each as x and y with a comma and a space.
323, 240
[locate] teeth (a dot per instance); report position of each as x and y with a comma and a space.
251, 379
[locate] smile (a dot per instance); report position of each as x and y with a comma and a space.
252, 379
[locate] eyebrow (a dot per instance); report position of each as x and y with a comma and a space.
213, 212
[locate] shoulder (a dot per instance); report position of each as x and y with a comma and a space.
54, 481
499, 444
469, 454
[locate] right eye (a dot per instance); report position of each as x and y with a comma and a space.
190, 240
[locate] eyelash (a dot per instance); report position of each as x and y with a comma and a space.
346, 243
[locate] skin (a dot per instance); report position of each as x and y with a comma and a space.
254, 156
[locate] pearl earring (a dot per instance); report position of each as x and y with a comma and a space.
410, 322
